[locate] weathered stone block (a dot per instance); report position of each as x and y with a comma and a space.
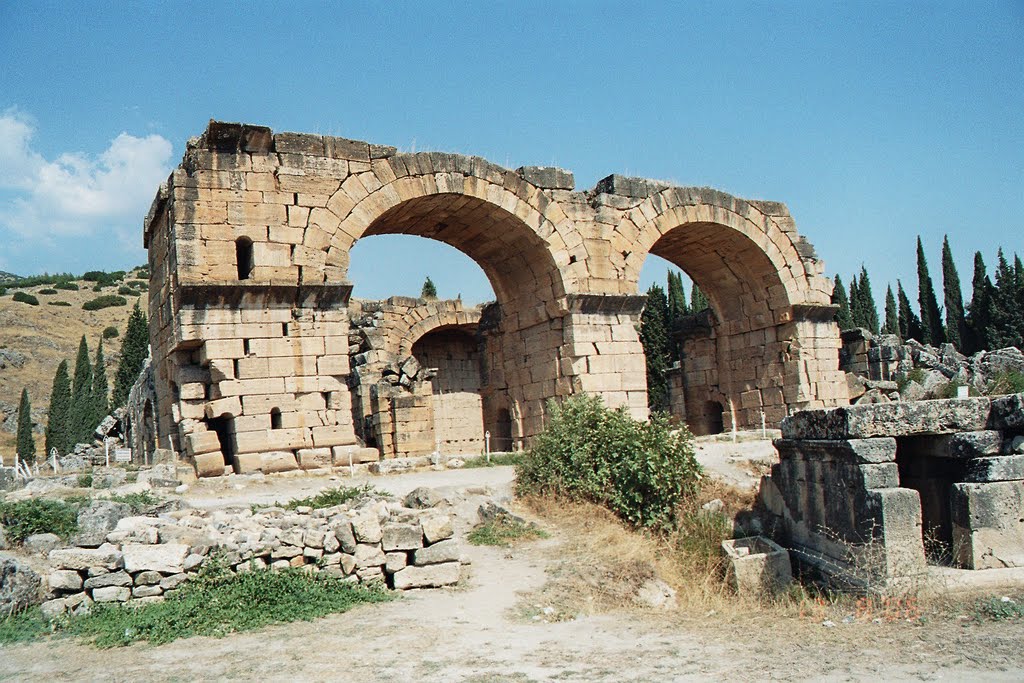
369, 556
988, 531
106, 556
65, 580
397, 536
442, 551
112, 594
168, 558
120, 578
366, 527
998, 468
892, 419
757, 565
430, 576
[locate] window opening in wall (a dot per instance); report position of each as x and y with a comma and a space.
284, 329
245, 347
243, 257
713, 417
275, 418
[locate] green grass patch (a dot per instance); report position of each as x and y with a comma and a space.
85, 481
1002, 608
336, 496
497, 460
504, 531
218, 603
23, 626
23, 518
138, 502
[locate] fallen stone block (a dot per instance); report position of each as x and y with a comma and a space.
110, 579
443, 551
396, 536
112, 594
64, 580
106, 556
757, 565
998, 468
430, 576
436, 527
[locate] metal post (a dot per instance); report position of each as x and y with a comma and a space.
106, 451
764, 429
487, 446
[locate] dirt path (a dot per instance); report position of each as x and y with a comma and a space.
483, 631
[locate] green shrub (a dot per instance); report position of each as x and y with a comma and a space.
504, 531
48, 290
69, 286
110, 332
57, 303
218, 603
127, 291
105, 301
3, 291
638, 470
138, 502
23, 626
85, 481
138, 284
98, 288
26, 298
23, 518
336, 496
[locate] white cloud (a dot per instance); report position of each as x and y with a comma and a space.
77, 194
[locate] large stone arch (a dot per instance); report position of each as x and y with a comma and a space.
249, 247
768, 346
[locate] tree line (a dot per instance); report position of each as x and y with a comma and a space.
993, 318
79, 402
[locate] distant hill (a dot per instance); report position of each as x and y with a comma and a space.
8, 277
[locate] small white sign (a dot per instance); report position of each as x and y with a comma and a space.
122, 455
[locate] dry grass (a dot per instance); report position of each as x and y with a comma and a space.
601, 562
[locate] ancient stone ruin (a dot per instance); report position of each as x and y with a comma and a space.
870, 494
255, 364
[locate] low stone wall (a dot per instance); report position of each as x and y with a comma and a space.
862, 492
145, 558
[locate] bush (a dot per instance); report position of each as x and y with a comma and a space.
138, 502
138, 284
68, 286
26, 298
1006, 382
105, 301
23, 518
496, 460
336, 496
58, 303
638, 470
110, 332
127, 291
48, 290
3, 291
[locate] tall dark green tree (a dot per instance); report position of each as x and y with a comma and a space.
1007, 327
81, 413
844, 317
654, 337
25, 443
698, 302
134, 350
58, 421
868, 311
892, 318
980, 309
429, 291
677, 308
100, 388
956, 322
910, 324
931, 316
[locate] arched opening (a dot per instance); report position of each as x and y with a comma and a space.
275, 418
731, 356
243, 257
450, 355
521, 337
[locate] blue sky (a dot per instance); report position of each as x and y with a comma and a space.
873, 121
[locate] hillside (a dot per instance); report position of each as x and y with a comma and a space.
7, 277
35, 339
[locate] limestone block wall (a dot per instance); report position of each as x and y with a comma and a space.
869, 494
250, 243
455, 390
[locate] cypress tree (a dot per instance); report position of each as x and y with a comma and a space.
892, 323
844, 317
81, 412
26, 443
910, 324
931, 316
654, 337
698, 302
956, 323
980, 308
134, 350
60, 405
677, 307
429, 291
100, 388
868, 310
1007, 328
856, 310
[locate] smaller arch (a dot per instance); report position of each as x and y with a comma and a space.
243, 257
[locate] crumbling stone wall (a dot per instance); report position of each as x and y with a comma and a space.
862, 492
249, 246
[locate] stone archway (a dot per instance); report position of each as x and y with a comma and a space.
232, 341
